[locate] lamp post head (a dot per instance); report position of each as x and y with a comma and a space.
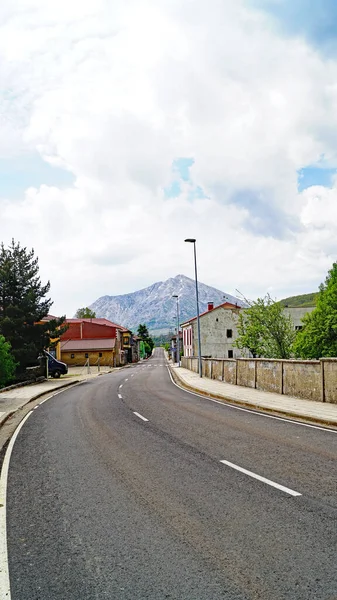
192, 240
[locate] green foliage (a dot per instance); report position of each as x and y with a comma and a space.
318, 338
7, 363
265, 330
85, 313
143, 333
303, 300
23, 304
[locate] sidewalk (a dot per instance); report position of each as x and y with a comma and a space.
318, 412
13, 400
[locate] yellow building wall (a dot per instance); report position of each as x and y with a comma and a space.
80, 359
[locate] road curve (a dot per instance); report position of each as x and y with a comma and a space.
126, 487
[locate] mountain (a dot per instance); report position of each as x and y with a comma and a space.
303, 300
155, 306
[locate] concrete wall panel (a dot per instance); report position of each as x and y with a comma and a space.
302, 379
269, 375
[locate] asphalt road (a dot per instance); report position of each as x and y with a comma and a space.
104, 504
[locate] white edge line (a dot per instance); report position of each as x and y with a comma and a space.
4, 573
140, 416
260, 478
5, 591
250, 410
120, 396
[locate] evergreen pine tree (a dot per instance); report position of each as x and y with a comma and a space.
23, 304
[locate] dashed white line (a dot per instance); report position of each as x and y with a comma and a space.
120, 396
126, 380
121, 385
263, 479
140, 416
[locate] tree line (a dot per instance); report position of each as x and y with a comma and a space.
267, 331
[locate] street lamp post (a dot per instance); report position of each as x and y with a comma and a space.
178, 340
192, 241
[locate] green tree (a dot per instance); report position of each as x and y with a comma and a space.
23, 305
7, 363
265, 330
318, 337
85, 313
144, 335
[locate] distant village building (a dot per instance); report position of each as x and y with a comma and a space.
98, 341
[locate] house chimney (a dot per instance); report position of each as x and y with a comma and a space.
210, 306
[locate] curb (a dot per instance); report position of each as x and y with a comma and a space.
257, 407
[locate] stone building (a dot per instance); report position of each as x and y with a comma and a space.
218, 331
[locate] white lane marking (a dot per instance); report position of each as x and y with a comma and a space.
263, 479
250, 410
5, 590
126, 380
140, 416
132, 375
121, 385
119, 395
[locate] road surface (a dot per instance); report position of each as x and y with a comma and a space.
117, 490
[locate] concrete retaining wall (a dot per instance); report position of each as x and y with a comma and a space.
310, 379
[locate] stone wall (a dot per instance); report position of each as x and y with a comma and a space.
269, 375
303, 379
246, 372
310, 379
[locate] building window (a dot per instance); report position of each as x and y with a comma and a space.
229, 333
100, 354
86, 355
230, 353
72, 356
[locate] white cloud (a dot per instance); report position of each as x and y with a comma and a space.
116, 95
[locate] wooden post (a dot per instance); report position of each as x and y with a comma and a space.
223, 370
255, 373
282, 377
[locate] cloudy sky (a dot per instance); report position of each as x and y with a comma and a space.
129, 125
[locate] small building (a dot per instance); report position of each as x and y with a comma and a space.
218, 331
174, 348
297, 313
98, 341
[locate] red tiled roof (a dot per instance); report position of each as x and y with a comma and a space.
72, 345
98, 321
224, 305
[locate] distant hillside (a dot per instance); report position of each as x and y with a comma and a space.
155, 306
303, 300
